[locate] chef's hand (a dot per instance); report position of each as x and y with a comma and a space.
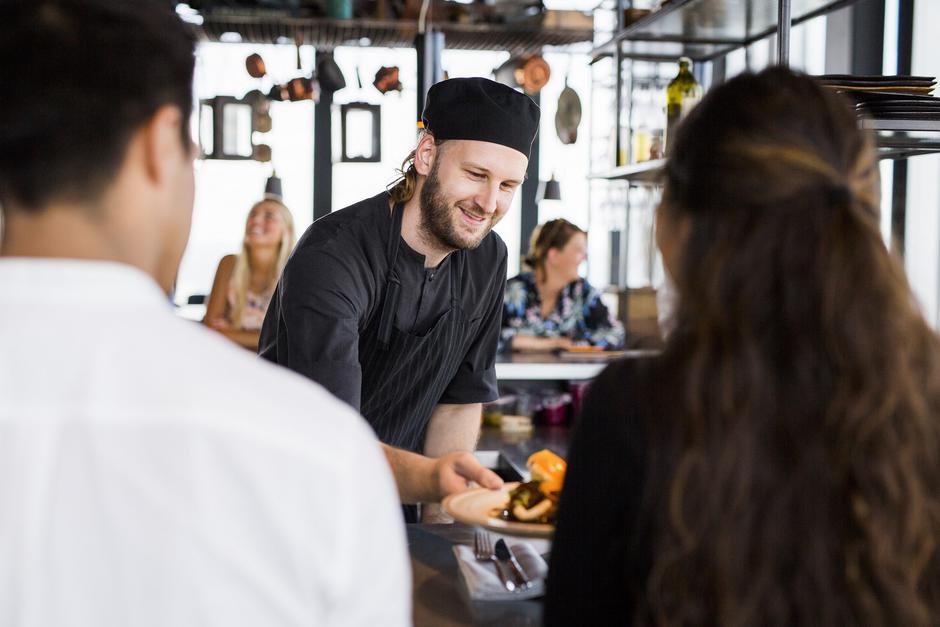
455, 471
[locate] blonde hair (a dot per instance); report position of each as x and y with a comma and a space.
241, 275
552, 234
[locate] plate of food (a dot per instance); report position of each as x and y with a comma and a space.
519, 509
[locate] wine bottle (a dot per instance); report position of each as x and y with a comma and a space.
682, 94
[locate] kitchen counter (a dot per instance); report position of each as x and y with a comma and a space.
439, 597
552, 367
438, 594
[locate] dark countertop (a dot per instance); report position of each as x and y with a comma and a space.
439, 596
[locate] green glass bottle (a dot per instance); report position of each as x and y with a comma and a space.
682, 94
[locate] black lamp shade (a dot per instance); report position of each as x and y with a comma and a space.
552, 190
272, 188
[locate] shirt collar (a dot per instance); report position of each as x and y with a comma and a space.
417, 258
63, 281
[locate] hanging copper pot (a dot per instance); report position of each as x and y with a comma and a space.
263, 122
261, 152
533, 74
529, 73
255, 66
386, 80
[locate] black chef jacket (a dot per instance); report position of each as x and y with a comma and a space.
333, 287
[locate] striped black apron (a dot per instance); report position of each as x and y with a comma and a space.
405, 375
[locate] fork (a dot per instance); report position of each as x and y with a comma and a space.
483, 551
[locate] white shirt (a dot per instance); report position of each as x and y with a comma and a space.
152, 473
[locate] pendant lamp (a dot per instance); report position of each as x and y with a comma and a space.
552, 189
272, 188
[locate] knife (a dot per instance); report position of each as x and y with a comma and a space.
504, 554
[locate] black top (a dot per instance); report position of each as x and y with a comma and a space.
333, 287
601, 552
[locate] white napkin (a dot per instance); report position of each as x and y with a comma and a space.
482, 583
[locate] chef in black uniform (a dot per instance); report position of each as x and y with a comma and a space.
393, 304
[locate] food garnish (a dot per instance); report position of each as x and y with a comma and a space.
536, 501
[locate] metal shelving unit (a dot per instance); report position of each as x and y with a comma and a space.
890, 146
645, 173
880, 124
904, 147
901, 146
707, 29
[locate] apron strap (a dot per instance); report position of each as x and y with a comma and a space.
392, 281
457, 262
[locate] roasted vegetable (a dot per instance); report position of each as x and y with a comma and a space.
537, 500
549, 469
526, 495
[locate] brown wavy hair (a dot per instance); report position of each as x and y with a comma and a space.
552, 234
803, 483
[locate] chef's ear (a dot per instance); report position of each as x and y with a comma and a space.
425, 154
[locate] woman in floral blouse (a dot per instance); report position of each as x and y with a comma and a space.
552, 307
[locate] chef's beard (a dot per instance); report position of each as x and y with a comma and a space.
438, 216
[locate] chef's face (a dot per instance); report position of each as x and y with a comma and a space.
468, 190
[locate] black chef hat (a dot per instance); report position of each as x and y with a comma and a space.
481, 109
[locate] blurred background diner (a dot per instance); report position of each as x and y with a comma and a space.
551, 307
245, 282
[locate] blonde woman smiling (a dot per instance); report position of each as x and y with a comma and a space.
245, 282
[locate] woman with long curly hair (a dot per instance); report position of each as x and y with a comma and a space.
779, 462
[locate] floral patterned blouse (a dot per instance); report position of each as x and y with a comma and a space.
579, 314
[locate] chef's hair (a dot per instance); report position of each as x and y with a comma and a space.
241, 275
798, 398
552, 234
403, 188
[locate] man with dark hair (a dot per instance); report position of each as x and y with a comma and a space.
59, 140
394, 303
152, 474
